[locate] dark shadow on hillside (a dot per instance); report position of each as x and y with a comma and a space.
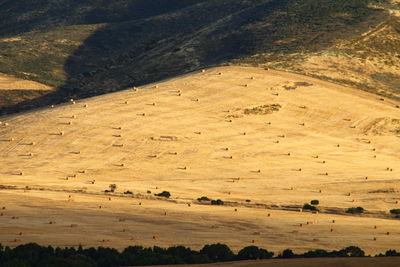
132, 52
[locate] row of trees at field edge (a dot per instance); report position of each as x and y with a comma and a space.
32, 255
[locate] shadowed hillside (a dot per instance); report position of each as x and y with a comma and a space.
86, 49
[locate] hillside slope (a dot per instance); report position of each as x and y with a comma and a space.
90, 48
265, 142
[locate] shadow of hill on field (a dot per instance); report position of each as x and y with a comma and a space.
190, 35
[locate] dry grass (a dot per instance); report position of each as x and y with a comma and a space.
333, 139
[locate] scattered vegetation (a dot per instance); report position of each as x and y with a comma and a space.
309, 207
165, 194
203, 199
112, 187
217, 202
34, 255
262, 110
395, 211
355, 210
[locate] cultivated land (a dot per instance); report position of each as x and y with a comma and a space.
272, 138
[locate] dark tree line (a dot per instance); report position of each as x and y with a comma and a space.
34, 255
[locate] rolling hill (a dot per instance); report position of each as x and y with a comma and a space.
265, 142
86, 48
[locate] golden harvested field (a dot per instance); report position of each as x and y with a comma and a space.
265, 142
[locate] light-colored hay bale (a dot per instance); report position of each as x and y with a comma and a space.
118, 145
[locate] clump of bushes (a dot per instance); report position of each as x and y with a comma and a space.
355, 210
217, 202
314, 202
203, 199
112, 187
395, 211
309, 207
128, 192
165, 194
212, 201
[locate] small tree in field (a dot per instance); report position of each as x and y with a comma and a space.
112, 187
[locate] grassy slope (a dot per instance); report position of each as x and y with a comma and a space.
96, 48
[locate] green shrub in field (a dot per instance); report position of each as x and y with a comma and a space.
355, 210
309, 207
217, 202
164, 194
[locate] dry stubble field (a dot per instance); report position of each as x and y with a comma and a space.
265, 142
